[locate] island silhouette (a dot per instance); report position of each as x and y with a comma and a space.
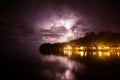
104, 41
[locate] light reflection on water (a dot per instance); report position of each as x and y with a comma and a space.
59, 67
97, 54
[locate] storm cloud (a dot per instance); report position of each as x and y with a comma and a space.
53, 21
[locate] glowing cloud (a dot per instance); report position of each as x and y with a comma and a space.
59, 25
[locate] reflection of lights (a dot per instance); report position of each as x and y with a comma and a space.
68, 50
118, 54
81, 53
68, 75
107, 54
85, 53
94, 53
77, 52
103, 54
59, 63
100, 53
65, 51
69, 53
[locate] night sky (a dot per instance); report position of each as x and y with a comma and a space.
32, 22
25, 24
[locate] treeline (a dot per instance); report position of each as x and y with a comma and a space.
104, 38
48, 48
91, 39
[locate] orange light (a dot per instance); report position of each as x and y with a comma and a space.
81, 53
68, 48
99, 48
81, 48
100, 53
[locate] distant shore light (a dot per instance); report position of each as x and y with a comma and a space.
68, 47
81, 47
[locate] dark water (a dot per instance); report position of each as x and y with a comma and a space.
100, 65
70, 65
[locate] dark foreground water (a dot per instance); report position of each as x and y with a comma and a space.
100, 65
77, 65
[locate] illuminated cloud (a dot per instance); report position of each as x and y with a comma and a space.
38, 20
59, 26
